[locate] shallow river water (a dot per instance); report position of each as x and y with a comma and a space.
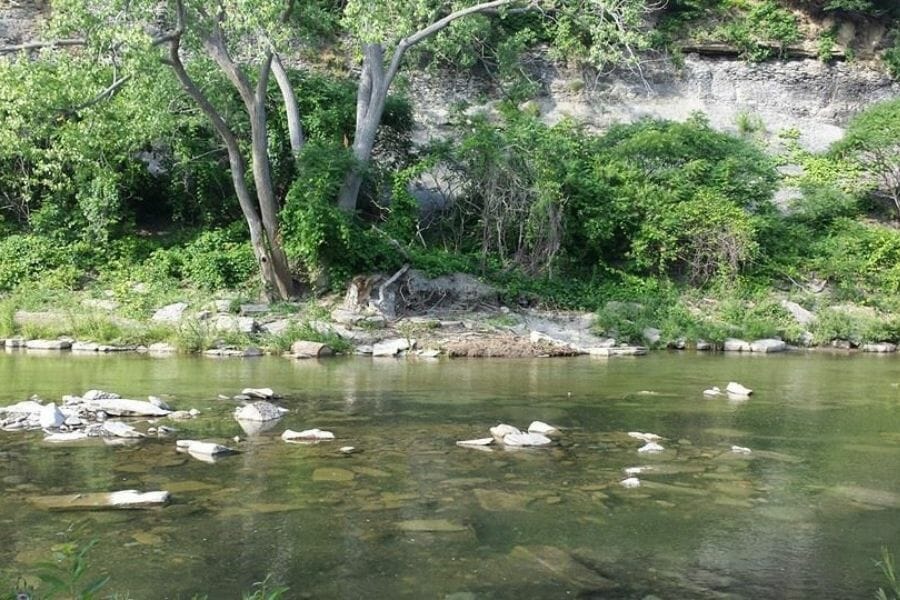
804, 515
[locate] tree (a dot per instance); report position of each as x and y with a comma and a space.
601, 31
241, 40
873, 140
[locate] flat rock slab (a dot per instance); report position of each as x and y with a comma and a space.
392, 347
736, 345
617, 351
560, 565
171, 313
120, 407
882, 348
499, 501
125, 499
432, 526
48, 344
230, 323
332, 474
306, 349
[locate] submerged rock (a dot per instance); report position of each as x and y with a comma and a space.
559, 564
195, 447
63, 437
307, 435
333, 474
644, 437
119, 429
124, 499
500, 501
431, 525
651, 448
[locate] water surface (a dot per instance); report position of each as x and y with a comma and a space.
413, 516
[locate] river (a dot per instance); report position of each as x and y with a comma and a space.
411, 515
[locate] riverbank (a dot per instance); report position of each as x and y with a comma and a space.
455, 316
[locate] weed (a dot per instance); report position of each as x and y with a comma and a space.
886, 565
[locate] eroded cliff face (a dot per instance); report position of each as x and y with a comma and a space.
20, 20
814, 98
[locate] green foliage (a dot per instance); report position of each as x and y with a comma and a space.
66, 574
873, 141
892, 56
764, 31
886, 566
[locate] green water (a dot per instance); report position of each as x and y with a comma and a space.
803, 516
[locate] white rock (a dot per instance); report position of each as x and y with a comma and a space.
631, 482
740, 450
48, 344
800, 314
392, 347
121, 407
736, 345
261, 393
202, 448
132, 498
882, 347
768, 346
713, 391
194, 412
51, 417
180, 415
120, 429
307, 435
736, 389
526, 439
259, 411
480, 442
26, 407
430, 353
157, 401
644, 437
651, 448
92, 395
67, 436
636, 470
170, 314
542, 428
85, 347
231, 323
502, 430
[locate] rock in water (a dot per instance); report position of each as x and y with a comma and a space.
261, 393
479, 443
203, 448
120, 429
92, 395
51, 417
644, 437
102, 500
740, 450
736, 389
524, 440
502, 430
542, 428
308, 435
259, 411
651, 448
120, 407
631, 482
712, 392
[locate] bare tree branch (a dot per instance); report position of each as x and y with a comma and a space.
44, 44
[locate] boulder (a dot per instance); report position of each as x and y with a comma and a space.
767, 346
644, 437
630, 482
704, 346
652, 335
259, 411
232, 324
736, 345
736, 389
254, 309
392, 347
800, 314
85, 347
51, 417
881, 347
173, 313
305, 349
502, 430
542, 428
161, 348
48, 344
100, 395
